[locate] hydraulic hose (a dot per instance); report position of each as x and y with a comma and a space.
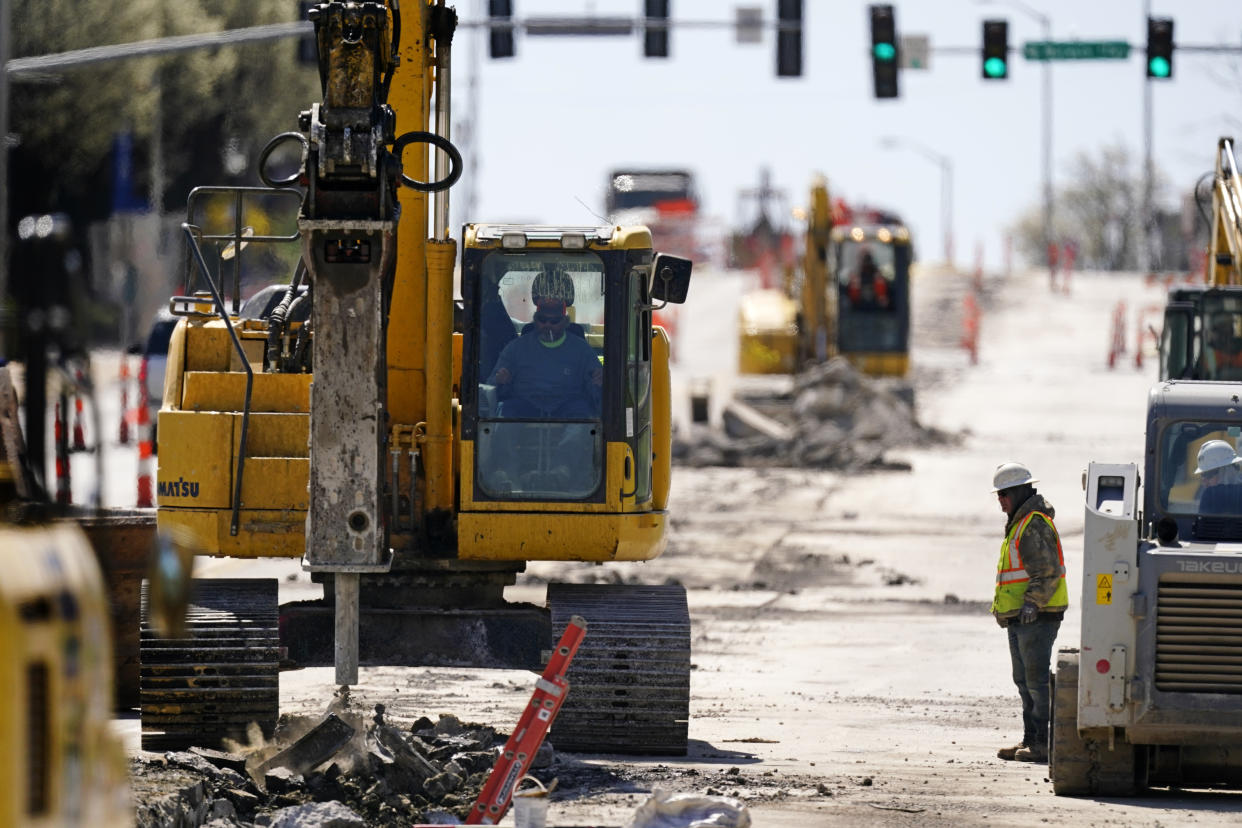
276, 321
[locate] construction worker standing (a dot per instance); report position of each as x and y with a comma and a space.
1031, 599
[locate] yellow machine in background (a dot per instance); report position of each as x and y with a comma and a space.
851, 297
870, 267
783, 329
1202, 335
352, 418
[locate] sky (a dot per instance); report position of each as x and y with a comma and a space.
551, 122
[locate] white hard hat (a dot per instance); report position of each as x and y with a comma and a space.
1008, 475
1216, 454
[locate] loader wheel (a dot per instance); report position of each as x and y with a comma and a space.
629, 685
222, 676
1081, 766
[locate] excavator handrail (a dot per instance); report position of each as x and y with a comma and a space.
192, 241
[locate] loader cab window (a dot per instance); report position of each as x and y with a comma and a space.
1183, 493
540, 374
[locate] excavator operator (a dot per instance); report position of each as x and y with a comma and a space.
868, 288
1226, 347
549, 372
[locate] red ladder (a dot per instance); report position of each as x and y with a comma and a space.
522, 746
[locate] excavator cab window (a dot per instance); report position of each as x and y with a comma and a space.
1177, 339
1221, 352
872, 276
539, 374
638, 381
866, 273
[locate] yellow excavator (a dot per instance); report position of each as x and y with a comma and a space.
852, 297
1202, 334
358, 417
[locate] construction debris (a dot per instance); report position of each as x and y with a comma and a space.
332, 773
832, 417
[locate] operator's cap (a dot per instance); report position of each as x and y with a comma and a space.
1008, 475
552, 283
1216, 454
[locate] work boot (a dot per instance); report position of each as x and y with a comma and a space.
1035, 753
1009, 753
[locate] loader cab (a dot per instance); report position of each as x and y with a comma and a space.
1182, 417
871, 269
559, 359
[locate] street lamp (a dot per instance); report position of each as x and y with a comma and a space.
946, 186
1045, 24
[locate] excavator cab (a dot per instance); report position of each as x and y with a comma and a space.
872, 269
564, 393
1202, 335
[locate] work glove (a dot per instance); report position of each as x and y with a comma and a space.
1029, 613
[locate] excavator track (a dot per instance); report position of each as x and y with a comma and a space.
629, 684
222, 676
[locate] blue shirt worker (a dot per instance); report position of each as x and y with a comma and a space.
1031, 599
549, 372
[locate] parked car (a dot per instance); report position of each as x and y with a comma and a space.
151, 373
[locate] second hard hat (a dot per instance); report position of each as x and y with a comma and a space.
1216, 454
1008, 475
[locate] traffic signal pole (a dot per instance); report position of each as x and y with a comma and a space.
1148, 246
1046, 154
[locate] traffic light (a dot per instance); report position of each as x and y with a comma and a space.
308, 52
789, 38
995, 49
655, 32
501, 28
884, 50
1160, 47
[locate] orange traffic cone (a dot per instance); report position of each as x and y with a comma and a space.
123, 437
146, 452
64, 494
79, 431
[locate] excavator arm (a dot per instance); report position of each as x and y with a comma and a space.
1226, 241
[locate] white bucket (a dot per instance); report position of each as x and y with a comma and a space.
530, 807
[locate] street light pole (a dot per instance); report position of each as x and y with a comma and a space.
1045, 24
946, 187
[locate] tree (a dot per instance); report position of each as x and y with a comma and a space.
1101, 210
207, 103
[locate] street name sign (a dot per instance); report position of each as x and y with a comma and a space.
1076, 50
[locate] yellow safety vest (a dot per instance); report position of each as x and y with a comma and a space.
1011, 577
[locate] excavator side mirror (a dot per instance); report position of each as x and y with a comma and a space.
670, 279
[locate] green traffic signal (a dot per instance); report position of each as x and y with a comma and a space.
1158, 67
885, 52
994, 67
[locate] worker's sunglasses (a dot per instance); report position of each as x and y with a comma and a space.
545, 319
1002, 495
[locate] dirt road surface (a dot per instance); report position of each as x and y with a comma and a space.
846, 671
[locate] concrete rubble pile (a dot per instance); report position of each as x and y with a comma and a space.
833, 417
345, 772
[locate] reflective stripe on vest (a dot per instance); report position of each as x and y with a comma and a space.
1011, 577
